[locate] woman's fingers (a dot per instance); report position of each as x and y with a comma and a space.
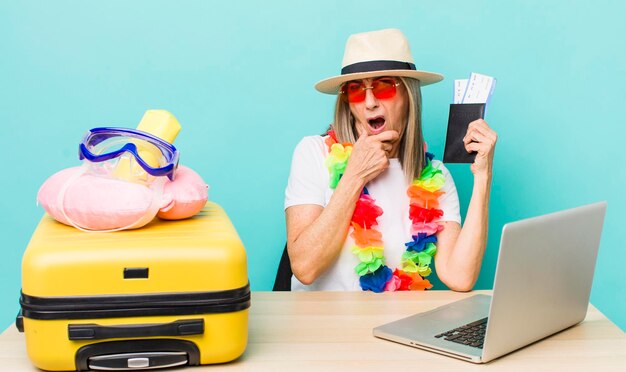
387, 140
370, 154
473, 137
386, 136
482, 145
386, 147
482, 139
362, 138
479, 131
483, 128
475, 147
383, 141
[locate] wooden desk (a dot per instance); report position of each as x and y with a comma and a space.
326, 331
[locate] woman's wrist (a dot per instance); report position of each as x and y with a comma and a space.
349, 189
355, 182
482, 182
483, 177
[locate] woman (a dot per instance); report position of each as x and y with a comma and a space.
366, 207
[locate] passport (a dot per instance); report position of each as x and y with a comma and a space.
461, 114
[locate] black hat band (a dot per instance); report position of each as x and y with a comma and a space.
370, 66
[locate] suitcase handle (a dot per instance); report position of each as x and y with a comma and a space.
85, 355
19, 322
98, 332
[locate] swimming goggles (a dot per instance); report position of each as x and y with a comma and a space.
155, 156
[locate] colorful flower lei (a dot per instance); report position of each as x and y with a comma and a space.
424, 193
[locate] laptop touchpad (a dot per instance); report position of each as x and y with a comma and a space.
460, 312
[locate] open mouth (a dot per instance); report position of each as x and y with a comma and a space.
376, 123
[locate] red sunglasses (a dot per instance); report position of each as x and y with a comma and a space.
382, 88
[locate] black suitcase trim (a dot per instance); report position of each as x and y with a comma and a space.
121, 306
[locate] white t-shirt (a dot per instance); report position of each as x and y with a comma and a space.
308, 184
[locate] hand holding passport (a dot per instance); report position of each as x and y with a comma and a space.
470, 100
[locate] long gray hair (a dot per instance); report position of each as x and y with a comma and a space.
411, 151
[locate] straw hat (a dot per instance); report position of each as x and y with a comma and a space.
377, 53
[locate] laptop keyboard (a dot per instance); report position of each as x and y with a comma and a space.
471, 334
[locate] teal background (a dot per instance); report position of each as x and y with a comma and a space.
239, 77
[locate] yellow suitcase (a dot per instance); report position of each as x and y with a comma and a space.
171, 293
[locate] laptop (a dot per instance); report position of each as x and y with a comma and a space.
542, 285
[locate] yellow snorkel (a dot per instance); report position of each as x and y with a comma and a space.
159, 123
